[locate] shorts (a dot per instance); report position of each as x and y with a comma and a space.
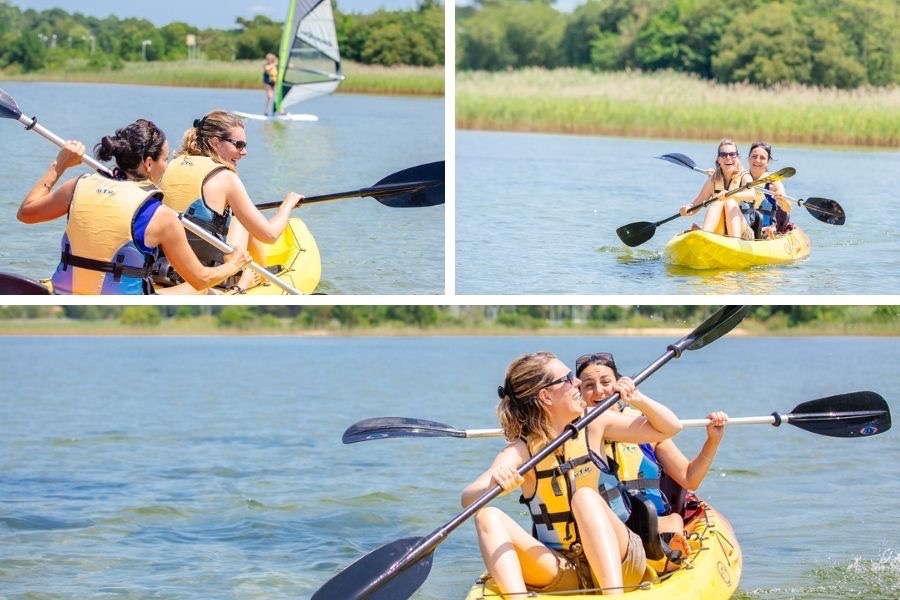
574, 572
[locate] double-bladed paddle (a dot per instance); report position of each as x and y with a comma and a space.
9, 109
824, 209
635, 234
396, 570
856, 414
415, 187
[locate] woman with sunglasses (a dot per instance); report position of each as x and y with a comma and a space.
644, 467
774, 208
727, 215
203, 184
578, 539
114, 225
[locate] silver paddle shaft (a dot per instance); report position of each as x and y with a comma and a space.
32, 124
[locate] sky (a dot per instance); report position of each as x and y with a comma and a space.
216, 14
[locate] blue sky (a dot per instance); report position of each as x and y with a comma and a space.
218, 14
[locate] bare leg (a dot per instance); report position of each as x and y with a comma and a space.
713, 221
509, 552
604, 536
736, 223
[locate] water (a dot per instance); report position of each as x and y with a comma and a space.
366, 248
129, 468
537, 214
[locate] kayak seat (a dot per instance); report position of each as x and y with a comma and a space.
644, 522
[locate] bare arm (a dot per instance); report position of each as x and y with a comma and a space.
656, 424
43, 203
502, 472
165, 230
690, 474
226, 183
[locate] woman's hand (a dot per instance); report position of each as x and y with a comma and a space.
238, 257
291, 200
507, 477
716, 428
69, 156
627, 390
686, 209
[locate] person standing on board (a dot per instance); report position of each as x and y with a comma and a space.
579, 539
774, 208
202, 183
725, 216
645, 467
115, 224
270, 74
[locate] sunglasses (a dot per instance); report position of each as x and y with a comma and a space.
601, 358
239, 144
728, 154
570, 377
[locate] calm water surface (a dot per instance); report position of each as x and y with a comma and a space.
129, 470
538, 214
366, 248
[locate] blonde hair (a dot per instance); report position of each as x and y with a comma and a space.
215, 124
520, 412
271, 58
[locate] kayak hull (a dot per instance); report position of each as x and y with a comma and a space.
296, 255
712, 572
704, 250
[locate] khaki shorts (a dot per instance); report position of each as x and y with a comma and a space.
574, 572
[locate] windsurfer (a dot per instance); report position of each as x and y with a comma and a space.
270, 74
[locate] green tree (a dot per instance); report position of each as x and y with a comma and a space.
27, 51
140, 315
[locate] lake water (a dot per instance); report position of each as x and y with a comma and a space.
130, 469
537, 214
366, 247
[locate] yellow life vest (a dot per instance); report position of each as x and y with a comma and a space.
719, 181
99, 253
573, 466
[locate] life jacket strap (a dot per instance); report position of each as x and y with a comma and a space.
117, 268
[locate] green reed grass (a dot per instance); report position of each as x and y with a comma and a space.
672, 105
246, 74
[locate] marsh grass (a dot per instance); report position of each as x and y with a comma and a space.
672, 105
245, 74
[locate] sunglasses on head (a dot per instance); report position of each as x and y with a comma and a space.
598, 358
728, 154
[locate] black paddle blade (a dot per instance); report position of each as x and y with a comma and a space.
17, 285
679, 159
715, 326
635, 234
858, 414
396, 427
430, 194
375, 576
8, 107
825, 210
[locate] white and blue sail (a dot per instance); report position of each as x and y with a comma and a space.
309, 61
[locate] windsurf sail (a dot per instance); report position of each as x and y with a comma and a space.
309, 62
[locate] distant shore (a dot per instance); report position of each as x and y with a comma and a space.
244, 74
672, 105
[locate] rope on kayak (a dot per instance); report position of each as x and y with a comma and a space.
490, 594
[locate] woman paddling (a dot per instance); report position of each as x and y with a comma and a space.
202, 183
116, 224
774, 209
643, 467
579, 538
726, 215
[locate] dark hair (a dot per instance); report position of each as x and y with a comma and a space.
761, 144
131, 144
599, 358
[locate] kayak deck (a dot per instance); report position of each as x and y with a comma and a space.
296, 255
705, 250
711, 572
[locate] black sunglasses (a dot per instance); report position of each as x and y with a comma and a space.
239, 144
597, 358
570, 377
728, 154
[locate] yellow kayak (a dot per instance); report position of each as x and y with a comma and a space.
296, 255
711, 572
704, 250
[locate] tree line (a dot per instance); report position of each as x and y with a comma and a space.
31, 40
528, 317
829, 43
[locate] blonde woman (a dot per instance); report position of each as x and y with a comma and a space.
270, 74
725, 216
202, 182
579, 539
